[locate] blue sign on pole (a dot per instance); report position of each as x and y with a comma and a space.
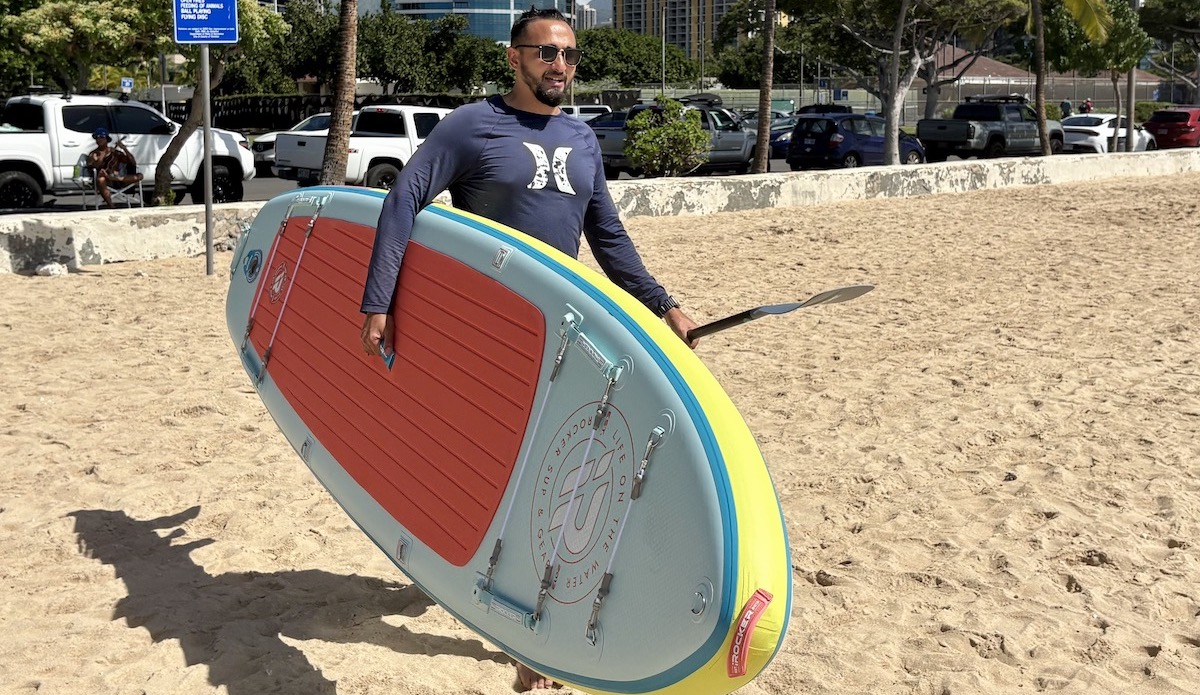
206, 21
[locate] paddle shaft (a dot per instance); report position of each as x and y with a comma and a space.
721, 324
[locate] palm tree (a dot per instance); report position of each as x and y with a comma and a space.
762, 150
1094, 20
333, 170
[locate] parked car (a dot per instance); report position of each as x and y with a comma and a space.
616, 119
844, 140
749, 117
1092, 132
1175, 127
824, 108
48, 134
987, 126
731, 146
781, 135
585, 112
383, 140
264, 145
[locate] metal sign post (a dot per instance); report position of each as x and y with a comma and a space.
206, 22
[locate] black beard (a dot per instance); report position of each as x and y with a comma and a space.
548, 97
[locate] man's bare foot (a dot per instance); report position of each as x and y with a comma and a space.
531, 680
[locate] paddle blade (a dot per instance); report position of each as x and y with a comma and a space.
841, 294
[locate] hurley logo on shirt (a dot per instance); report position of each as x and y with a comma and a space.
542, 174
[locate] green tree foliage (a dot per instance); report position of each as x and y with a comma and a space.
1175, 24
629, 58
475, 61
18, 67
393, 50
1069, 48
312, 39
668, 141
739, 65
68, 37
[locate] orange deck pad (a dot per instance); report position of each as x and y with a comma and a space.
465, 344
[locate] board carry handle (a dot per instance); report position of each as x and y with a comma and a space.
493, 603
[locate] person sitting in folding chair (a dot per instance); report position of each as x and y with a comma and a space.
113, 165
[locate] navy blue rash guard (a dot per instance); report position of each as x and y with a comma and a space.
540, 174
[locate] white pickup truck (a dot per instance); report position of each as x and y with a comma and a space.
383, 139
42, 138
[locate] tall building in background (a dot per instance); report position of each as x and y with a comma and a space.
491, 19
585, 17
690, 24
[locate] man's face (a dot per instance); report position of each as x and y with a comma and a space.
547, 81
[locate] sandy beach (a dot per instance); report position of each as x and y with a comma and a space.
988, 465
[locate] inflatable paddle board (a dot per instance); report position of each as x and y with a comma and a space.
541, 455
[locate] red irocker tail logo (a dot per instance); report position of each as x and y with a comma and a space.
739, 651
275, 289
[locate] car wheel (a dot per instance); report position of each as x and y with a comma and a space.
382, 175
913, 157
994, 149
19, 190
1056, 146
612, 173
795, 167
226, 187
851, 160
1151, 145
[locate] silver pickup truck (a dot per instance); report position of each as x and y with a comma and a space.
986, 127
731, 144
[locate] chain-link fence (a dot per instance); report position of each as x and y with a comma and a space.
1058, 89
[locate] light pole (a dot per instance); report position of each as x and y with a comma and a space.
663, 22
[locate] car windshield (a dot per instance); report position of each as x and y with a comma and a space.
1170, 117
784, 123
816, 126
977, 112
1085, 121
317, 122
609, 120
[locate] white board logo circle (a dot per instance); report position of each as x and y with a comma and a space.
587, 521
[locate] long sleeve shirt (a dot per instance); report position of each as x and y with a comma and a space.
542, 175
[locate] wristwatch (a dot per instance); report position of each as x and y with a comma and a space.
665, 305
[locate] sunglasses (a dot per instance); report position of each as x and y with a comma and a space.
549, 54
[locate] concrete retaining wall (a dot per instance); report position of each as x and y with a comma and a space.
106, 236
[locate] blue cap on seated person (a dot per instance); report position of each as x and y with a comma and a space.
102, 133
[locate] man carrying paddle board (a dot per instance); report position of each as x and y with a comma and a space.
518, 160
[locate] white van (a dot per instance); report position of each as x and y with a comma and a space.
584, 112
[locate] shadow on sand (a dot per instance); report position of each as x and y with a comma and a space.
234, 622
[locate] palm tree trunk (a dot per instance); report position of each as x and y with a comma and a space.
762, 147
1039, 69
333, 169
